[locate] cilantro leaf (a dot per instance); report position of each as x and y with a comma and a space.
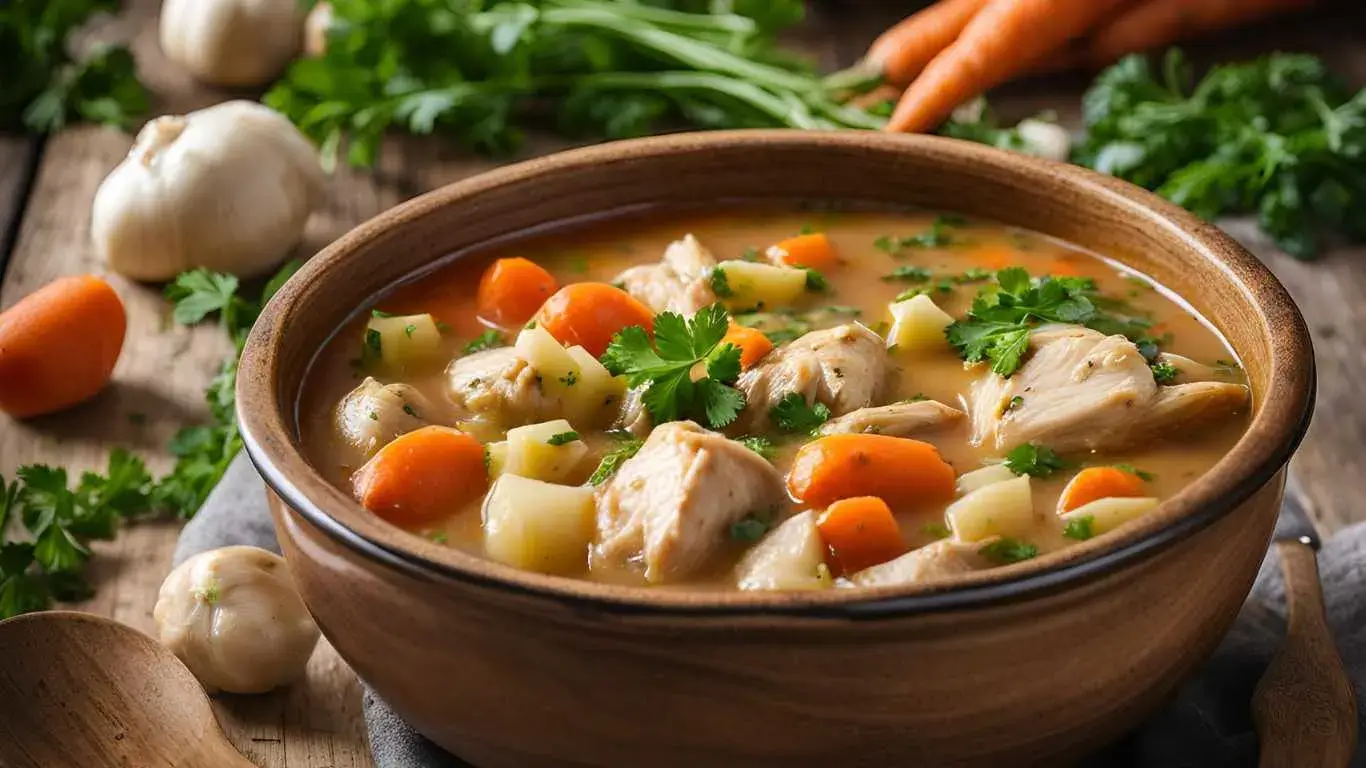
1079, 528
720, 284
560, 438
1005, 551
200, 293
937, 530
750, 528
1146, 477
1034, 460
759, 444
908, 274
489, 339
1164, 373
627, 445
792, 414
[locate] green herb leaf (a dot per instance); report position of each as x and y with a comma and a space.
720, 284
489, 339
627, 445
792, 414
759, 444
560, 438
1005, 551
1035, 461
750, 528
1147, 477
1079, 528
937, 530
908, 274
1164, 373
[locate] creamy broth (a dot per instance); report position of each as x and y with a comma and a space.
860, 290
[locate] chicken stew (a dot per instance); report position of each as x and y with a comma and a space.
771, 399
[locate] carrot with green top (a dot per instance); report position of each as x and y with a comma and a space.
511, 290
58, 345
590, 314
422, 476
1094, 483
859, 533
812, 251
898, 470
1003, 39
753, 345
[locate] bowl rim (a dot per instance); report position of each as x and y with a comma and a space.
266, 420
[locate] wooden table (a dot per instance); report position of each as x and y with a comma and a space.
45, 193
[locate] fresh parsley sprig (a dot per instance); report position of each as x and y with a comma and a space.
666, 366
1035, 460
793, 414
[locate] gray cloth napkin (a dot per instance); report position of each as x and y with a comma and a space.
1207, 725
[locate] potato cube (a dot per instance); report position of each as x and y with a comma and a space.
999, 509
789, 557
753, 284
538, 526
918, 325
1109, 514
549, 451
597, 395
981, 478
558, 369
497, 458
404, 343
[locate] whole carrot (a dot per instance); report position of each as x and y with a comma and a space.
1004, 38
1157, 23
901, 52
58, 345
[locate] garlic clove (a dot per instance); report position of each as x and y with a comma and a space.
234, 43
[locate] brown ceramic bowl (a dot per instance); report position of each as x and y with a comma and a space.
1036, 661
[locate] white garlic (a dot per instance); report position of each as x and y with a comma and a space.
1044, 139
315, 29
236, 43
229, 188
234, 617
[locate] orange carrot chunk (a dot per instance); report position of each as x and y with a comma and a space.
898, 470
859, 533
1003, 39
422, 476
1159, 23
589, 314
902, 52
1094, 483
511, 291
58, 345
812, 251
754, 345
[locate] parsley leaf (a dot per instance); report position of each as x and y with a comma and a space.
560, 438
760, 445
1147, 477
627, 445
665, 366
1079, 528
489, 339
720, 284
937, 236
200, 293
1164, 373
816, 282
937, 530
1005, 551
908, 274
1034, 460
792, 414
750, 528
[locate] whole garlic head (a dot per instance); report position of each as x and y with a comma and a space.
229, 188
234, 617
235, 43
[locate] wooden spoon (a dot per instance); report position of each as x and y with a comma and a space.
80, 690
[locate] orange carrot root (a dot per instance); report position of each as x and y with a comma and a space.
1095, 483
422, 476
589, 314
902, 52
511, 290
859, 533
1158, 23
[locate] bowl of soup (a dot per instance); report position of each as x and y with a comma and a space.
777, 448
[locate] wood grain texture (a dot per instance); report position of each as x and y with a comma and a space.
17, 155
1304, 706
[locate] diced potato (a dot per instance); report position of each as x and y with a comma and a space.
789, 557
1000, 509
404, 343
597, 394
753, 284
1109, 514
538, 526
918, 324
497, 457
531, 454
558, 369
981, 478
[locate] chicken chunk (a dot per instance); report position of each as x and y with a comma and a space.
842, 367
497, 385
897, 419
679, 283
373, 414
1082, 390
671, 506
932, 561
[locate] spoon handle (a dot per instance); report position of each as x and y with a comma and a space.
1304, 706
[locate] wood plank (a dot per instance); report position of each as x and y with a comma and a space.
17, 156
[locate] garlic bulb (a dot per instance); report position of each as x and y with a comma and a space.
233, 616
235, 43
315, 29
228, 188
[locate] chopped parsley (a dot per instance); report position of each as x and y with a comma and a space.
380, 313
627, 445
1034, 460
569, 379
1146, 477
1079, 528
665, 364
1005, 551
408, 330
943, 286
374, 416
489, 339
937, 236
907, 273
916, 398
372, 348
816, 282
1164, 373
1015, 402
936, 530
408, 409
562, 437
437, 537
792, 414
972, 275
750, 528
760, 445
720, 284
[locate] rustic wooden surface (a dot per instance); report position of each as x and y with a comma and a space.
160, 377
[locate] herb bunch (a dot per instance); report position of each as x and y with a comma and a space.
479, 71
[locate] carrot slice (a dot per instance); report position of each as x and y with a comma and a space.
902, 52
511, 291
58, 345
1004, 38
589, 314
860, 532
898, 470
994, 257
1095, 483
812, 251
422, 476
1158, 23
754, 345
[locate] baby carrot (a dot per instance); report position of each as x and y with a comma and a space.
589, 314
812, 251
1158, 23
422, 476
754, 345
511, 291
58, 345
902, 52
1005, 37
1095, 483
900, 471
860, 533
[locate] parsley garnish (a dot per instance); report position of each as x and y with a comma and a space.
1005, 551
489, 339
937, 236
792, 414
936, 530
972, 275
380, 313
1164, 373
372, 347
408, 330
908, 274
816, 282
666, 364
627, 445
720, 284
561, 438
1147, 477
569, 379
1079, 528
408, 409
1015, 402
750, 528
1034, 460
760, 445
